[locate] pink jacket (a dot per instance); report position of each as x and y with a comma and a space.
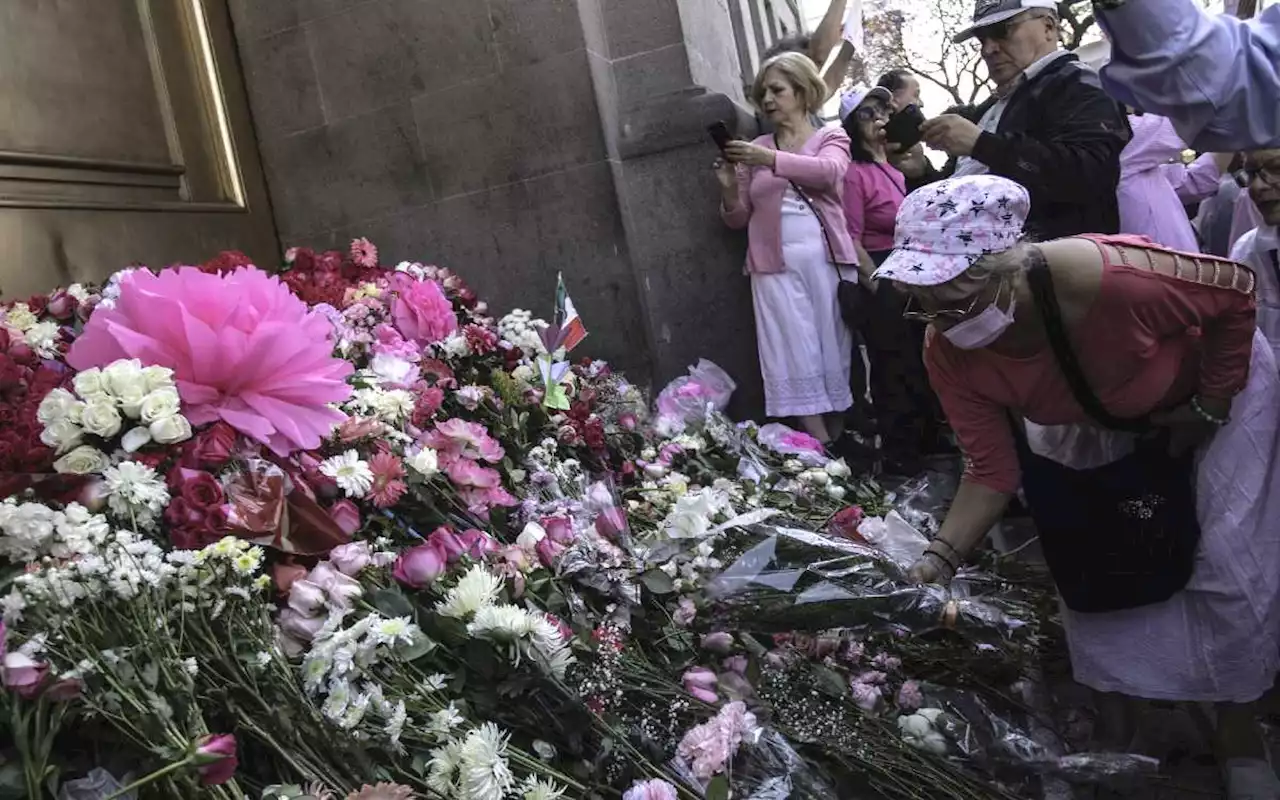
818, 169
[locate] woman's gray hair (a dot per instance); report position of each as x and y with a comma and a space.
1004, 264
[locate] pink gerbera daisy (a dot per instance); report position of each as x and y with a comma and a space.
363, 253
387, 486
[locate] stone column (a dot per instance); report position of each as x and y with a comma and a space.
512, 139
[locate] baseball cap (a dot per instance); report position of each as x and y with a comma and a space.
989, 12
945, 227
858, 95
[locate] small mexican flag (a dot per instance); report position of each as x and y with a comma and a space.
572, 331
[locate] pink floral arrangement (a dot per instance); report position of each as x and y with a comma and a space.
242, 347
708, 747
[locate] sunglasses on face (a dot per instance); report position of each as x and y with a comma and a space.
912, 312
871, 113
1269, 173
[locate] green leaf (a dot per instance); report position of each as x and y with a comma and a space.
658, 582
718, 789
830, 681
392, 603
421, 646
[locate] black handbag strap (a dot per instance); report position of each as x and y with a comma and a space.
1040, 280
826, 236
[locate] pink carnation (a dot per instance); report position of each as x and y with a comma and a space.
242, 347
457, 437
708, 747
656, 789
423, 313
802, 441
909, 696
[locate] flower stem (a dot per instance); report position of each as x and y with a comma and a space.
157, 775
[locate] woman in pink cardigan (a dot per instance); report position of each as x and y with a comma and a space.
785, 189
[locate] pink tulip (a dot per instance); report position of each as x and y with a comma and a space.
420, 566
23, 673
448, 543
306, 598
346, 515
611, 523
549, 552
718, 642
736, 664
559, 529
215, 757
299, 626
700, 683
338, 588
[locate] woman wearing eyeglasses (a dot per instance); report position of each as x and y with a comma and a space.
873, 191
1258, 248
1123, 387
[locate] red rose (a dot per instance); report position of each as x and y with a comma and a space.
213, 445
200, 490
215, 521
177, 513
11, 373
62, 305
186, 537
38, 303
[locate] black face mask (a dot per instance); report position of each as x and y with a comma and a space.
903, 127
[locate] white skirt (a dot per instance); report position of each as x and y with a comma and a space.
1217, 640
805, 349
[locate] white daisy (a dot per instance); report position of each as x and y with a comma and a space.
352, 475
475, 590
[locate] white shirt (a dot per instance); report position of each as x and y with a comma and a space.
990, 121
1257, 250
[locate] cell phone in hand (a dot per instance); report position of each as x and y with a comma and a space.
903, 127
720, 134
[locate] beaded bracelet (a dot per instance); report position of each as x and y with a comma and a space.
950, 565
1205, 415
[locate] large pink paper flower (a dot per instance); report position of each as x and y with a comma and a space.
422, 312
242, 347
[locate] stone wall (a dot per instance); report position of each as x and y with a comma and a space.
511, 139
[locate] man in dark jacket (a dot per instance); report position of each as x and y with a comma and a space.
1049, 126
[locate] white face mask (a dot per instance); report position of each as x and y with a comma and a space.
980, 331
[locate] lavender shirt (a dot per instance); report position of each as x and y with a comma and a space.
1153, 191
1216, 78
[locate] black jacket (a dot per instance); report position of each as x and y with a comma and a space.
1060, 136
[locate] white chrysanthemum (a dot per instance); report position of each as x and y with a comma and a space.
538, 789
444, 764
484, 772
396, 630
435, 682
27, 529
475, 590
135, 489
18, 317
11, 606
396, 721
352, 475
190, 667
442, 722
425, 462
247, 562
335, 705
501, 623
455, 346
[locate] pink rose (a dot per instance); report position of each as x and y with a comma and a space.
61, 305
338, 588
866, 696
718, 642
215, 756
466, 473
886, 662
351, 558
23, 674
306, 598
736, 664
656, 789
477, 544
685, 613
549, 552
299, 626
559, 529
422, 312
420, 566
628, 422
346, 515
448, 543
700, 682
516, 558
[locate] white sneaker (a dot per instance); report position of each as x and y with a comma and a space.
1251, 779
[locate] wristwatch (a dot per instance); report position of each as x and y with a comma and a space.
1108, 5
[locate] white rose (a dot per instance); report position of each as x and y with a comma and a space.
838, 469
171, 430
426, 461
816, 477
100, 418
134, 439
530, 536
160, 403
124, 376
130, 399
82, 461
90, 384
56, 406
835, 492
157, 377
62, 435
